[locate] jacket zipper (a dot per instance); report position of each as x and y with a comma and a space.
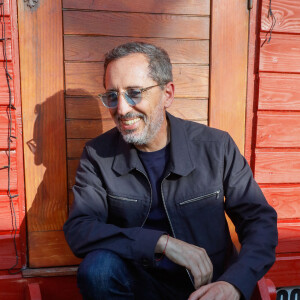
172, 229
150, 197
122, 198
200, 198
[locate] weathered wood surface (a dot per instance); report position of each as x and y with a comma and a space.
8, 50
228, 76
50, 272
194, 7
7, 251
72, 168
279, 92
281, 130
42, 80
289, 234
287, 13
7, 220
55, 251
6, 7
4, 171
4, 93
7, 25
92, 108
275, 166
75, 147
86, 79
282, 54
135, 25
92, 48
285, 199
4, 125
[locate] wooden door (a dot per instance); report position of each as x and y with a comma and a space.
61, 52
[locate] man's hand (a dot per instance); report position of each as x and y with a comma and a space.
220, 290
194, 258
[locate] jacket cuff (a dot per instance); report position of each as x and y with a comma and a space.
242, 278
144, 246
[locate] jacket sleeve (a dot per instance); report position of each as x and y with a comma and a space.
87, 229
254, 219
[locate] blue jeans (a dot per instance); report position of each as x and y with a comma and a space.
103, 275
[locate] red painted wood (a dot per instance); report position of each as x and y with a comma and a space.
282, 54
7, 251
287, 13
6, 7
4, 95
288, 236
7, 219
135, 25
277, 167
8, 50
4, 124
7, 24
285, 271
34, 292
194, 7
278, 130
4, 173
279, 92
285, 199
267, 289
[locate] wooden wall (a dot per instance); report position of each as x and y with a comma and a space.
273, 139
91, 28
11, 210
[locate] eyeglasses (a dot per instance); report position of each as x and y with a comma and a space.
133, 96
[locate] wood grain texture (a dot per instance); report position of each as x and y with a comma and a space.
42, 80
4, 125
287, 13
280, 130
285, 271
75, 147
92, 48
92, 108
72, 168
194, 7
8, 50
282, 54
50, 272
289, 237
7, 251
135, 25
4, 171
277, 166
279, 92
55, 250
229, 51
86, 79
7, 220
285, 199
87, 129
4, 92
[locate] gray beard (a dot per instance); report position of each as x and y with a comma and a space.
149, 132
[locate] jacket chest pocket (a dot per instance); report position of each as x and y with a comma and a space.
215, 194
124, 211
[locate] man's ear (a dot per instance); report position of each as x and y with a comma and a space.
169, 94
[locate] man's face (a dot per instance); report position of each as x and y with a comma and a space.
140, 124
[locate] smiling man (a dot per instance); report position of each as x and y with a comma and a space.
149, 213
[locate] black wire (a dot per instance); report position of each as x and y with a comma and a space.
269, 33
9, 140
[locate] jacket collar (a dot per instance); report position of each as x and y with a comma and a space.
181, 162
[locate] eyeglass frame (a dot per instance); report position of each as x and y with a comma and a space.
142, 90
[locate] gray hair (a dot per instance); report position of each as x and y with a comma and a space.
160, 67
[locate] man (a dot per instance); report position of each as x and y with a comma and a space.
149, 211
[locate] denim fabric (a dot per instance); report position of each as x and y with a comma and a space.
103, 275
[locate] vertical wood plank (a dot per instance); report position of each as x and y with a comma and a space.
42, 80
228, 61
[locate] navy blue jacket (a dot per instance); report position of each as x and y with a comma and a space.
112, 199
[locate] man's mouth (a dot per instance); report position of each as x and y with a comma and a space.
131, 121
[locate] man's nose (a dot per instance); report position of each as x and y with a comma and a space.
123, 107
